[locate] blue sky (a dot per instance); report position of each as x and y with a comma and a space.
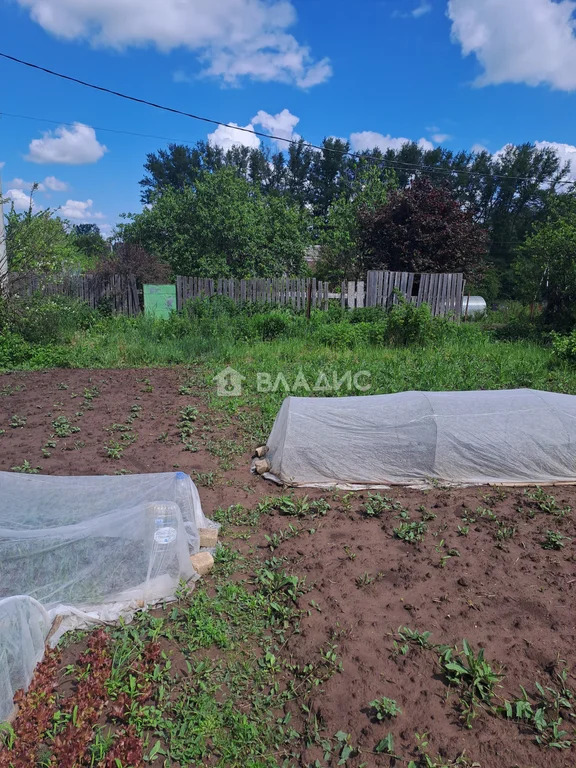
463, 73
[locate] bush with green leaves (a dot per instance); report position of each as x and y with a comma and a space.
49, 320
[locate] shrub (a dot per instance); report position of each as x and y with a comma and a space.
564, 346
266, 326
47, 320
409, 324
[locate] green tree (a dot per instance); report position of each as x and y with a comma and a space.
88, 239
545, 267
223, 226
341, 237
40, 242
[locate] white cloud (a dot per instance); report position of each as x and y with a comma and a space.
566, 153
366, 140
226, 136
420, 10
54, 184
518, 41
440, 138
79, 210
282, 125
232, 38
20, 199
77, 145
24, 185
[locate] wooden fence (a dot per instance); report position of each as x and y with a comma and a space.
296, 292
118, 293
442, 292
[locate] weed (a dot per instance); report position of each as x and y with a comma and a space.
114, 449
63, 428
543, 711
27, 468
544, 502
554, 540
411, 532
420, 639
473, 675
384, 708
299, 506
205, 479
377, 505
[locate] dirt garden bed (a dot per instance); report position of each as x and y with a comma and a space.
386, 584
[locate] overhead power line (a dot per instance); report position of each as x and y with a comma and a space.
393, 165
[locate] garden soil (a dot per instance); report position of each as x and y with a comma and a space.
503, 592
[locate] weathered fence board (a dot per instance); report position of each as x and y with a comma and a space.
118, 292
292, 291
442, 292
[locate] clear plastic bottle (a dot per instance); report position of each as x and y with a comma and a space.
163, 518
186, 503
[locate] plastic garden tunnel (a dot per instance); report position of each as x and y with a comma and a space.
76, 550
518, 436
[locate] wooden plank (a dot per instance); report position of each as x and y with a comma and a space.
360, 293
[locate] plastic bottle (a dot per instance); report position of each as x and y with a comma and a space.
163, 530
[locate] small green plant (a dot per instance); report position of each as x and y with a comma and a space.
186, 423
377, 505
473, 675
27, 468
545, 502
463, 530
18, 421
114, 449
62, 427
384, 708
206, 479
386, 746
504, 532
554, 540
414, 636
411, 532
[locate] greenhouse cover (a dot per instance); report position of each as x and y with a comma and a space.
75, 550
423, 438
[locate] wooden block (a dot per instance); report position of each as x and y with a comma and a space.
202, 563
208, 537
261, 466
262, 451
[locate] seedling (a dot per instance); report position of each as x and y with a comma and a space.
545, 502
114, 449
473, 675
27, 468
384, 708
62, 427
411, 532
554, 540
413, 636
18, 421
377, 505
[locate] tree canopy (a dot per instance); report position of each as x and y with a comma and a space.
223, 226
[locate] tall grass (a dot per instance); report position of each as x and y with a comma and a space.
402, 350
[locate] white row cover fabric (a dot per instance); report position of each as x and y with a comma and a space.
86, 549
419, 438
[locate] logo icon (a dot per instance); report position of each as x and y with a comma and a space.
229, 382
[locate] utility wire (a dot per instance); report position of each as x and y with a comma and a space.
394, 165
